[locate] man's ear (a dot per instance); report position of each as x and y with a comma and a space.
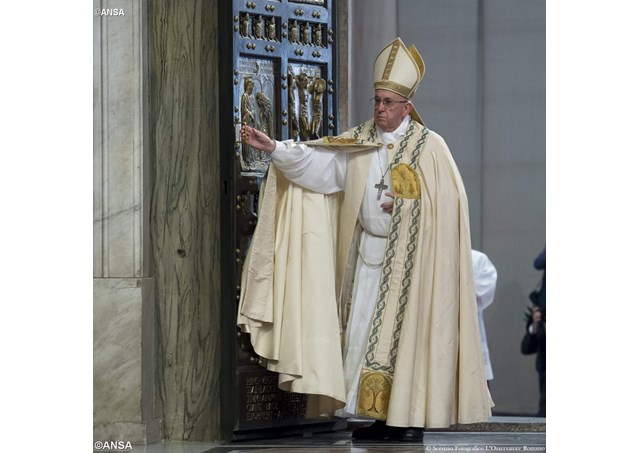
408, 106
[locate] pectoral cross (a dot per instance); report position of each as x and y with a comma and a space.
381, 186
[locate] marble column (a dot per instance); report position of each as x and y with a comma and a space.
183, 96
124, 337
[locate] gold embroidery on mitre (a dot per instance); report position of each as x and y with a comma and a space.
405, 182
374, 393
390, 85
391, 60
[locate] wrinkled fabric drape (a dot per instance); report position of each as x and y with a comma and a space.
298, 268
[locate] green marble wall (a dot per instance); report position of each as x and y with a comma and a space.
184, 214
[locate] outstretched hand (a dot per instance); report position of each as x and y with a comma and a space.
257, 139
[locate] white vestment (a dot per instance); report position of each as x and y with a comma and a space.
411, 352
324, 170
485, 277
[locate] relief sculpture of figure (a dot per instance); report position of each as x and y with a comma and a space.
305, 32
317, 35
303, 117
266, 120
245, 20
294, 128
248, 116
271, 29
293, 32
258, 28
317, 90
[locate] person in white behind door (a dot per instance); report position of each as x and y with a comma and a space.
360, 266
486, 279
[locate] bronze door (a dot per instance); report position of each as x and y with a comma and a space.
277, 74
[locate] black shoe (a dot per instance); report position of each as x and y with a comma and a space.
409, 434
378, 431
381, 431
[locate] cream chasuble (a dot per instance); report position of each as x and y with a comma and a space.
402, 293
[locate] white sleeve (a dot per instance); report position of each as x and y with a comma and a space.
322, 170
485, 276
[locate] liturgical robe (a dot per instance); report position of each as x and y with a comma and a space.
333, 286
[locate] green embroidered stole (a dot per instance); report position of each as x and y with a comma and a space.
376, 378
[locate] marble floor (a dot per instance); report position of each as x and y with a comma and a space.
502, 434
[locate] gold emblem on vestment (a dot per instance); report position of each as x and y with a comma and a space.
374, 394
405, 182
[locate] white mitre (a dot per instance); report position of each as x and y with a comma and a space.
399, 69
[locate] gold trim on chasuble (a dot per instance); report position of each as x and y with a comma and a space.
376, 378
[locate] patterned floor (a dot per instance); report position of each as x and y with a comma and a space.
518, 435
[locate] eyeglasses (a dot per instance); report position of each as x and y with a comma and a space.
388, 103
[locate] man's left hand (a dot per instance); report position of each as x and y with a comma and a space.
387, 206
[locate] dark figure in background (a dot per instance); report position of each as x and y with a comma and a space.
535, 338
